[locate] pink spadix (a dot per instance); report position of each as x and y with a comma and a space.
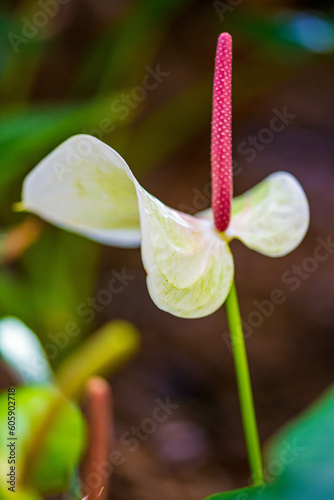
221, 140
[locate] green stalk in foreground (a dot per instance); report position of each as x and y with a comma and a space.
244, 386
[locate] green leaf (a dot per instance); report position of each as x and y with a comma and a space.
20, 494
50, 436
300, 459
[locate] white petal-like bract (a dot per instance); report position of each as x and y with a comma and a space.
189, 266
84, 186
271, 218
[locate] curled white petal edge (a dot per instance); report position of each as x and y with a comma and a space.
48, 193
273, 217
190, 267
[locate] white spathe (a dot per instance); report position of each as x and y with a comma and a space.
86, 187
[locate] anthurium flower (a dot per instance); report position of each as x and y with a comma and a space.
86, 187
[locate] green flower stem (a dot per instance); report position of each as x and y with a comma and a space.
244, 386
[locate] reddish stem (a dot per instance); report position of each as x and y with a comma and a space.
221, 141
101, 432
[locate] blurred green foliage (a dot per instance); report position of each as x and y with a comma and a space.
44, 278
51, 432
51, 470
299, 459
106, 62
40, 289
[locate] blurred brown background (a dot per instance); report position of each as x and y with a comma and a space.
283, 59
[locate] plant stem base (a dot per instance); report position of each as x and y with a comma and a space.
244, 386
